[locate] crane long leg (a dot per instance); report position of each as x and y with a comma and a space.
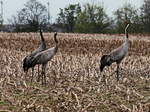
26, 73
38, 73
43, 74
117, 72
32, 74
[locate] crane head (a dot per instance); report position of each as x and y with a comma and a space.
55, 34
25, 68
105, 61
26, 63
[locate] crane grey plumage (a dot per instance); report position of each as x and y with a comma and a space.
45, 56
117, 55
27, 59
41, 47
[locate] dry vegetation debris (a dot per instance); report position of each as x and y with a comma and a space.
74, 82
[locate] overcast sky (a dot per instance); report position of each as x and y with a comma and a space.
12, 6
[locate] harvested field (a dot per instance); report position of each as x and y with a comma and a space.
74, 82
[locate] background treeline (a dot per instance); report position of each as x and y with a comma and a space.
88, 18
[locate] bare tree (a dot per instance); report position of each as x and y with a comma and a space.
67, 17
145, 15
29, 18
127, 13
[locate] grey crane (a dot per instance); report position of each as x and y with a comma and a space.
45, 56
27, 59
117, 55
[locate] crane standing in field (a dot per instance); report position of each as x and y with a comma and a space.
45, 56
27, 59
117, 55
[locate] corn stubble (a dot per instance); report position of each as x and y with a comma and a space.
74, 82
